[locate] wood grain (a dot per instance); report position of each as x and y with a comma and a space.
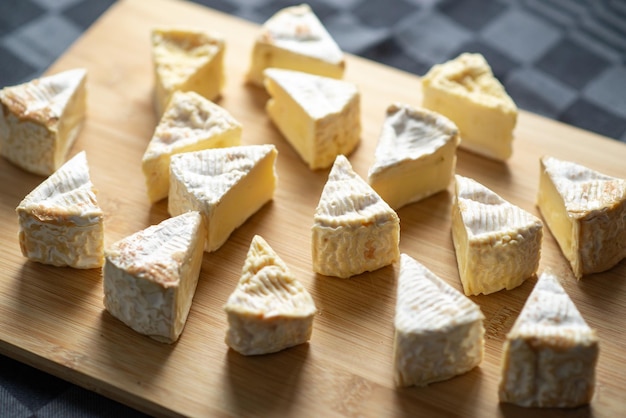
53, 318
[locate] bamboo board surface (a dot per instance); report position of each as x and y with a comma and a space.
54, 319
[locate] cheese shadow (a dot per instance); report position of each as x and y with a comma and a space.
133, 358
445, 398
508, 410
266, 384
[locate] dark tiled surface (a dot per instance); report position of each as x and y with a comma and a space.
562, 59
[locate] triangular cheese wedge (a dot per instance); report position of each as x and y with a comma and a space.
295, 39
226, 185
150, 277
60, 221
415, 157
438, 331
319, 116
40, 120
585, 211
550, 354
354, 229
466, 91
497, 244
269, 310
190, 123
186, 60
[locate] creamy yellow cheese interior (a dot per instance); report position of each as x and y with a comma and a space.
186, 60
415, 156
320, 117
466, 91
295, 39
227, 185
190, 123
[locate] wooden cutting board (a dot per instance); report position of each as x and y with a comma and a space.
53, 318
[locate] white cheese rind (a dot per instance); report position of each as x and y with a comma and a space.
40, 120
150, 277
320, 117
466, 91
226, 185
586, 213
190, 123
439, 332
295, 39
186, 60
550, 354
415, 156
497, 244
60, 222
269, 310
354, 229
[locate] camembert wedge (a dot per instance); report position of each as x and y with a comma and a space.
586, 213
354, 229
60, 222
439, 332
295, 39
415, 157
550, 354
466, 91
226, 185
497, 244
190, 123
40, 120
186, 60
150, 277
269, 310
319, 116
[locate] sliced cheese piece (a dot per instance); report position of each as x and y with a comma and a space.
186, 60
497, 244
295, 39
354, 229
439, 333
150, 277
586, 213
190, 123
269, 310
466, 91
226, 185
40, 120
415, 157
550, 354
60, 222
319, 116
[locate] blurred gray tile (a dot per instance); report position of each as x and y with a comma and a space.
34, 44
383, 14
10, 407
55, 5
415, 34
351, 35
521, 35
535, 91
608, 90
587, 115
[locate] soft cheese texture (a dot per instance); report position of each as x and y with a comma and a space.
354, 229
269, 310
439, 332
190, 123
586, 213
226, 185
295, 39
497, 244
40, 120
150, 277
550, 354
60, 222
319, 116
186, 60
415, 157
466, 91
